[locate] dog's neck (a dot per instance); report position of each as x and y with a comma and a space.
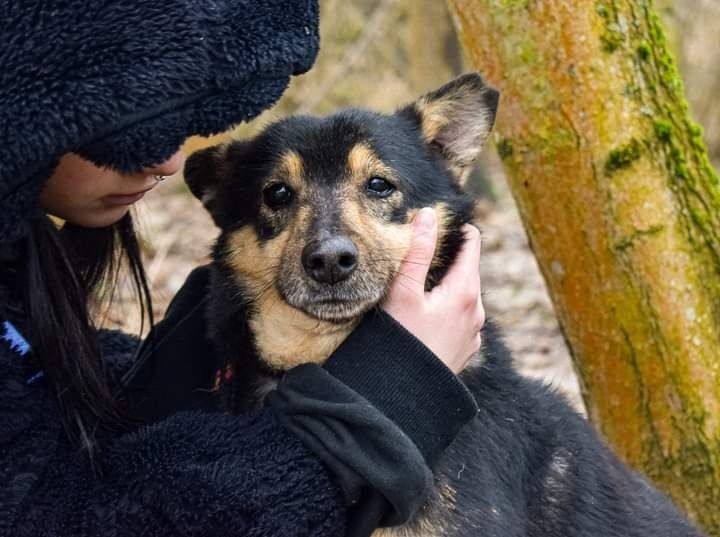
285, 336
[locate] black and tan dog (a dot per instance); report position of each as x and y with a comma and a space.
314, 225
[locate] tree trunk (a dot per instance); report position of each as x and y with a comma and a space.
622, 208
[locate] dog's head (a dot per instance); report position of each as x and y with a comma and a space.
318, 209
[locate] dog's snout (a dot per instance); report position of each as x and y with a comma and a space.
330, 260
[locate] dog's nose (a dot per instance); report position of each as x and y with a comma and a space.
330, 260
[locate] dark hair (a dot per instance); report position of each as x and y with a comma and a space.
67, 272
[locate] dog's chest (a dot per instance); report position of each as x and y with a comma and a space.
286, 337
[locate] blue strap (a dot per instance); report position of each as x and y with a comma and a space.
20, 345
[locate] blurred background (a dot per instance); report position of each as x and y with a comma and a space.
382, 54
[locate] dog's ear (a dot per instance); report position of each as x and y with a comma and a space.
203, 175
207, 170
456, 119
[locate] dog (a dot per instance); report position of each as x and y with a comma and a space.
314, 216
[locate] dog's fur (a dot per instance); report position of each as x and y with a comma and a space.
314, 225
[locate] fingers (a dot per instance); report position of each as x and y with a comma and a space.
463, 277
415, 266
448, 319
480, 313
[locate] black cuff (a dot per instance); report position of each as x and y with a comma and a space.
364, 449
401, 377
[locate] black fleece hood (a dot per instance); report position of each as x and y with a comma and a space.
123, 83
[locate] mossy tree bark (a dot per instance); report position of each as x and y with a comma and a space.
622, 209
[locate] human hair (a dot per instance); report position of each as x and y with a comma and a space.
68, 271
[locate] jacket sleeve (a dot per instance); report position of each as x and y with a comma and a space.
379, 413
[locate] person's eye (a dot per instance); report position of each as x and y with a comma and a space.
277, 195
377, 186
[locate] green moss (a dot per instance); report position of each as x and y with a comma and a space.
504, 148
611, 40
662, 75
663, 130
629, 241
697, 138
623, 245
602, 10
665, 63
644, 51
613, 36
682, 171
710, 172
527, 52
679, 163
632, 91
623, 156
696, 130
514, 4
700, 218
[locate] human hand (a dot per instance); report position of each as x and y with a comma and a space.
447, 319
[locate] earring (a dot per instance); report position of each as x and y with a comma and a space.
159, 178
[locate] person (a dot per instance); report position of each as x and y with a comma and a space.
95, 99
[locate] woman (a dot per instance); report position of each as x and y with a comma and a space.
95, 99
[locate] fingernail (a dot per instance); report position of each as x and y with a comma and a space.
425, 219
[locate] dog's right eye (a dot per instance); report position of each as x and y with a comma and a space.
277, 195
377, 186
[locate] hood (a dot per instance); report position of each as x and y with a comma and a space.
124, 83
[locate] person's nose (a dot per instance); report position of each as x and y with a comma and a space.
169, 166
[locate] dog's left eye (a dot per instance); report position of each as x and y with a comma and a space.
377, 186
277, 195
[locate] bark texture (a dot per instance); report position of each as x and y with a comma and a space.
622, 208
